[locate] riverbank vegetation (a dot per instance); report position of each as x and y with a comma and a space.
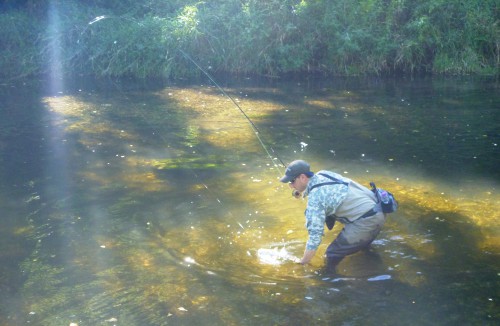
152, 38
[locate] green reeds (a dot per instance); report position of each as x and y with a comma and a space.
252, 37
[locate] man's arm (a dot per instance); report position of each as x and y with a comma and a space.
308, 255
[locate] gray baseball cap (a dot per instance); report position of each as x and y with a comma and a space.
294, 169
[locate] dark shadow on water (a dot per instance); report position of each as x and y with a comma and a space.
439, 126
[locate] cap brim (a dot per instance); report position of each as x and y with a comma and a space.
286, 179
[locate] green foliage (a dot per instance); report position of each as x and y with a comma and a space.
118, 47
16, 37
142, 39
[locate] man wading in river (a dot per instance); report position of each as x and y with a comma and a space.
332, 197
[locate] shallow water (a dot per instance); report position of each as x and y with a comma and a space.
157, 204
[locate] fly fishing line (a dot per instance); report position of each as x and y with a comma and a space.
252, 124
254, 127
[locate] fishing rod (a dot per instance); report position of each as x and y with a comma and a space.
254, 127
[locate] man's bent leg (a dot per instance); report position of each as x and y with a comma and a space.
339, 248
353, 238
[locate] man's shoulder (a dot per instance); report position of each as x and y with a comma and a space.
327, 187
325, 172
324, 181
330, 174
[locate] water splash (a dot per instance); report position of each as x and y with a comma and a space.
275, 256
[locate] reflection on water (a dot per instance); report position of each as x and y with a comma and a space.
160, 206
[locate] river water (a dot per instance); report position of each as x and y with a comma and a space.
158, 204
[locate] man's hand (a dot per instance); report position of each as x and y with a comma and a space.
308, 255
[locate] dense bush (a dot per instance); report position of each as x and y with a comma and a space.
143, 38
19, 52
